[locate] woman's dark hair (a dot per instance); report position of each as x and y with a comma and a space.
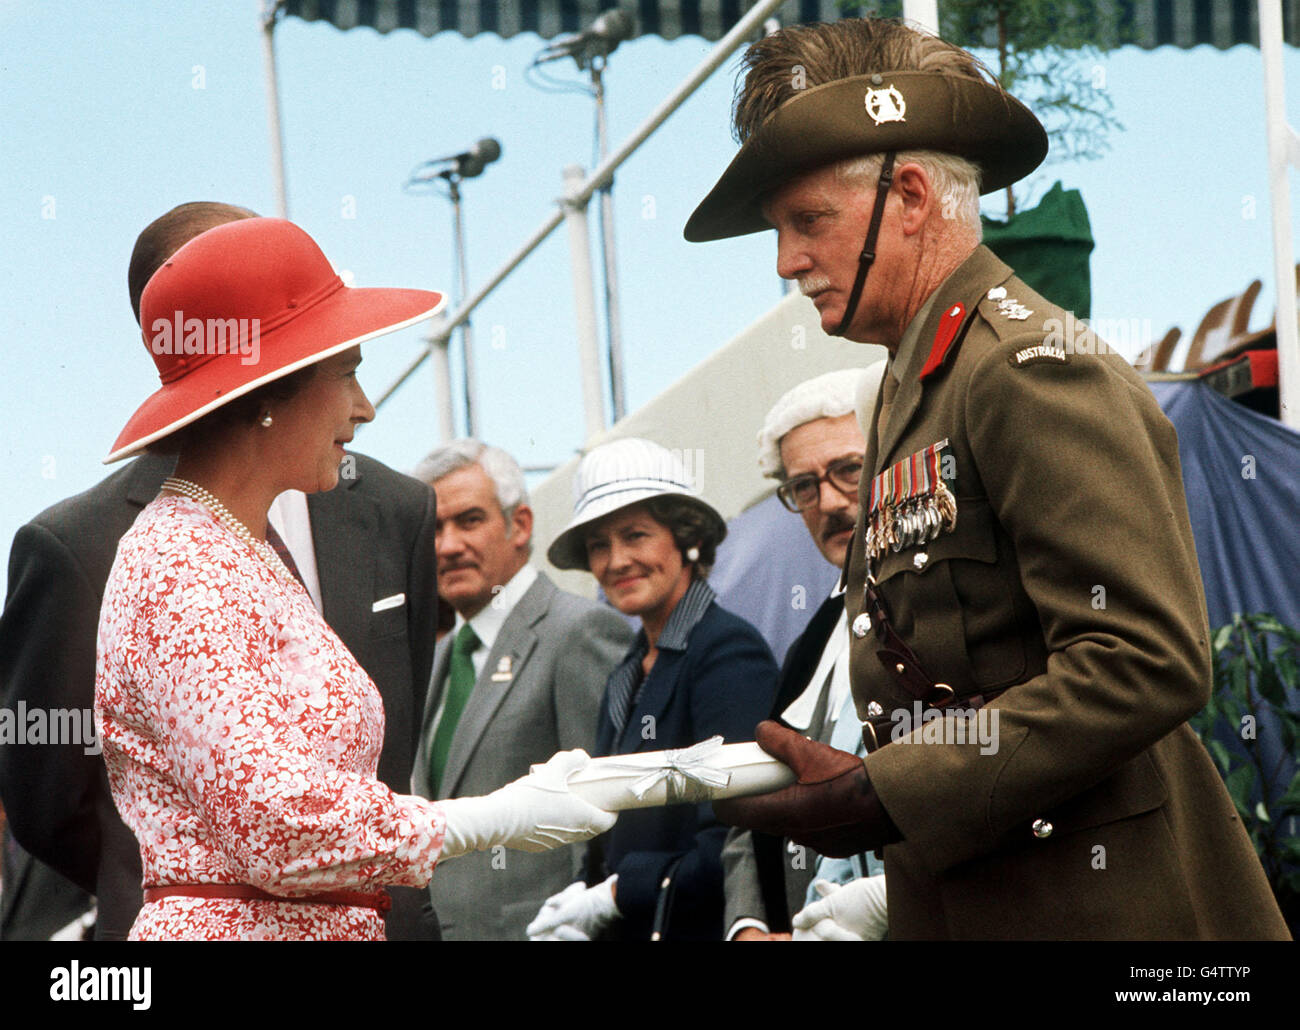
242, 411
690, 527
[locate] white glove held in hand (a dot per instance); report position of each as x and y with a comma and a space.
535, 813
853, 912
546, 925
577, 913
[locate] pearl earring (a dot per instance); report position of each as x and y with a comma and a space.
692, 554
266, 420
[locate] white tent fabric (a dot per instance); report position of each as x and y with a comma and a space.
712, 416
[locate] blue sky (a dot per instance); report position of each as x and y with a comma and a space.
111, 113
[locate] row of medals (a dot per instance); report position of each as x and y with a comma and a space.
915, 520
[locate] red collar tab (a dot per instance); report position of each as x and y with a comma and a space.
949, 326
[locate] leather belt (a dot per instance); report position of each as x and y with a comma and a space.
898, 659
378, 900
901, 662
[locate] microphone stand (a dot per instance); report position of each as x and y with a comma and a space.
590, 50
453, 177
453, 169
613, 326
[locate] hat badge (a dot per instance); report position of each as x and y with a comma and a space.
885, 105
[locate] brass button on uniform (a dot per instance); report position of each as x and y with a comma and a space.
1042, 828
861, 624
874, 709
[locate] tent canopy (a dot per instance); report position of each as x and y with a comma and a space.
1144, 23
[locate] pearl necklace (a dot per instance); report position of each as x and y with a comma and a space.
196, 493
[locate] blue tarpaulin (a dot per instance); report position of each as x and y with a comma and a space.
770, 573
1241, 471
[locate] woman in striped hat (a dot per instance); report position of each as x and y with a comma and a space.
695, 671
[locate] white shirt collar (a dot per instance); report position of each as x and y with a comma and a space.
487, 623
289, 516
834, 659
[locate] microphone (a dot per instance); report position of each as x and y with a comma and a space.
478, 157
466, 164
599, 40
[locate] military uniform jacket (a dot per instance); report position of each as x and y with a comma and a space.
1068, 591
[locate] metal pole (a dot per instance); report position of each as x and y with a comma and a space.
584, 302
923, 14
747, 26
441, 347
270, 9
447, 326
613, 324
462, 285
1283, 147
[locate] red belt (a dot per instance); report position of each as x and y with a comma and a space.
378, 900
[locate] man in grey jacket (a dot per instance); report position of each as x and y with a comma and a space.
519, 677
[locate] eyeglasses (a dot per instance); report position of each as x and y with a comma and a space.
804, 491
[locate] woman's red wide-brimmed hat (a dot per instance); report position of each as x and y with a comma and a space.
242, 305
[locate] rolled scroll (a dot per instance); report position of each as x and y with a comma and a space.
708, 771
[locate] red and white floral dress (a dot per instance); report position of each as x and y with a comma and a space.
242, 740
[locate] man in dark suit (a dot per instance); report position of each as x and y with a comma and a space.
367, 549
519, 677
812, 443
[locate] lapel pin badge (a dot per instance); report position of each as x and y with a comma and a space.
505, 670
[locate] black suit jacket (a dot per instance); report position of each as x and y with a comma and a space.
373, 538
769, 851
806, 652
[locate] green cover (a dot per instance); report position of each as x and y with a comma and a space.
1049, 246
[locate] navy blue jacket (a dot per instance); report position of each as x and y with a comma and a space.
723, 683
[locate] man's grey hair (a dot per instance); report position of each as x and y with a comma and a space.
506, 475
956, 182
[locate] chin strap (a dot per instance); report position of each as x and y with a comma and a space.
869, 248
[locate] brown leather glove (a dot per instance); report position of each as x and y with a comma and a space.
831, 809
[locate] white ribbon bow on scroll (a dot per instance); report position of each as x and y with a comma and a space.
686, 774
705, 771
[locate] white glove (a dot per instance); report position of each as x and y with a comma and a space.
535, 813
544, 923
577, 913
853, 912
